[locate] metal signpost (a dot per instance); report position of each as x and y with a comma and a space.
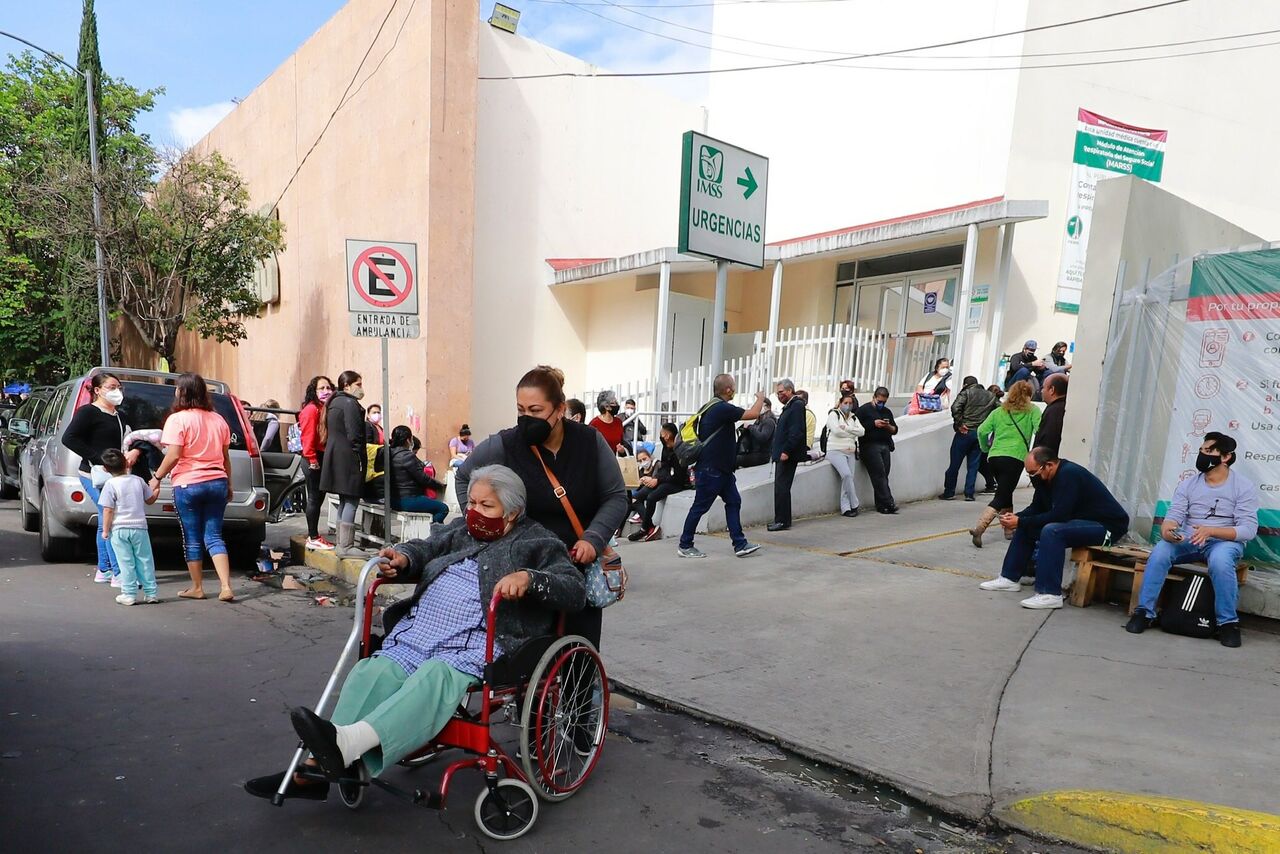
382, 302
723, 190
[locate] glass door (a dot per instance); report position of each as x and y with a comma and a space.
926, 328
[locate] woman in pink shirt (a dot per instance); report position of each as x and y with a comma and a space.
198, 454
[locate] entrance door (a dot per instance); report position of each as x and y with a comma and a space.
917, 313
690, 331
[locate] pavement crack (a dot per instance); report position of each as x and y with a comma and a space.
995, 724
1196, 670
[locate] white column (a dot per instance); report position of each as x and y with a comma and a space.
999, 298
661, 346
775, 309
962, 304
717, 317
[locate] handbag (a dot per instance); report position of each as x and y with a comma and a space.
922, 403
606, 576
630, 472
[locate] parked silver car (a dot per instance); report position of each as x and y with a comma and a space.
54, 502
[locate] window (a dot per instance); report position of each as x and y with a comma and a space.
51, 418
146, 405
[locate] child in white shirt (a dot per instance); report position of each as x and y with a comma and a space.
124, 522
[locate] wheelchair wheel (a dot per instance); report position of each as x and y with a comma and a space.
508, 811
352, 794
564, 717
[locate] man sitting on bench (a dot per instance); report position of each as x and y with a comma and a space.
1211, 517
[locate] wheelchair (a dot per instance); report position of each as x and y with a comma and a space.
552, 689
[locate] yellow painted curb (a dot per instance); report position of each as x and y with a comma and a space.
1143, 824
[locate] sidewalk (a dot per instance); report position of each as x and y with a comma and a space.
866, 643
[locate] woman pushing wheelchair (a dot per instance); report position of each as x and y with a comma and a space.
395, 701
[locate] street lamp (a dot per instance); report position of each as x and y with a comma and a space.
104, 352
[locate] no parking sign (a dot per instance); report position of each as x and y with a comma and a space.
382, 289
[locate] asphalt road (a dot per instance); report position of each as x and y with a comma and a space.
133, 729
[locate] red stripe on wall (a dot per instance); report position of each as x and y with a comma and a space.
1234, 307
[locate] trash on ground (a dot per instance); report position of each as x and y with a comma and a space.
292, 583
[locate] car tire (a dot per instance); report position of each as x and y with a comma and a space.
30, 517
54, 549
243, 549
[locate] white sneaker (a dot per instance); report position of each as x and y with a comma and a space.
319, 544
101, 577
115, 581
1001, 583
150, 600
1043, 601
126, 600
634, 518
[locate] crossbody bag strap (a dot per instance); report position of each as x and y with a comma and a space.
559, 493
1014, 422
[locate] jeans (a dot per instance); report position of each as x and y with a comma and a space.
784, 474
964, 449
710, 484
647, 501
1049, 548
347, 506
842, 462
406, 711
422, 504
137, 563
315, 499
878, 457
106, 555
1221, 555
201, 507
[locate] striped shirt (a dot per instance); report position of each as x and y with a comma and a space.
447, 624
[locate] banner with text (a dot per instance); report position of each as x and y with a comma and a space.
1104, 147
1229, 380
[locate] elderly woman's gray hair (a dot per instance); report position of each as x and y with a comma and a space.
506, 485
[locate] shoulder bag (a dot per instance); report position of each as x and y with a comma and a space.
1014, 422
606, 576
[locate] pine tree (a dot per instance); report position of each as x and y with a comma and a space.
79, 287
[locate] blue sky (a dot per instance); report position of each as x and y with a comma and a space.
207, 52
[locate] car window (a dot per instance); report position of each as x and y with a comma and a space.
29, 408
147, 404
38, 414
51, 418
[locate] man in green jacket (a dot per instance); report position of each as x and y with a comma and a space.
970, 408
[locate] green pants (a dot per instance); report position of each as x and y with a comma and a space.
405, 711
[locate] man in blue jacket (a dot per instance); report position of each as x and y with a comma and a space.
789, 450
1071, 508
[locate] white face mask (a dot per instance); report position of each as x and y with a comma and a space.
630, 411
356, 391
376, 418
115, 396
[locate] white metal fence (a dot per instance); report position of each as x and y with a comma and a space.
815, 358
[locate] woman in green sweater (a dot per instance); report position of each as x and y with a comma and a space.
1005, 437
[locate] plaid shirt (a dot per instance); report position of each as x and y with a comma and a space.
447, 624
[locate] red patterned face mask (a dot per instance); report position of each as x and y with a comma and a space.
485, 528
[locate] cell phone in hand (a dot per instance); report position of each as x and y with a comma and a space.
1177, 536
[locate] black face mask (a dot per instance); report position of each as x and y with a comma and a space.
534, 430
1206, 463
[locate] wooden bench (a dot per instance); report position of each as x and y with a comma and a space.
1095, 566
411, 526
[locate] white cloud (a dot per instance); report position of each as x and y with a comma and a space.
189, 124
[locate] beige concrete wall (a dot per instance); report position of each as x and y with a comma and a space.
397, 163
565, 168
1210, 105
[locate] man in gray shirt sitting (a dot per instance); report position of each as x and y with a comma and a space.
1211, 517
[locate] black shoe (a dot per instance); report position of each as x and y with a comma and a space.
1138, 623
947, 496
266, 787
990, 487
850, 514
637, 536
1229, 635
970, 498
321, 738
889, 511
777, 526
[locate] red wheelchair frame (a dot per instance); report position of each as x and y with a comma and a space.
507, 808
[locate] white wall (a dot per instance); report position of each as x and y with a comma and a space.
564, 168
847, 145
1213, 106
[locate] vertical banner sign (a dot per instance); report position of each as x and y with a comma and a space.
1104, 148
1229, 381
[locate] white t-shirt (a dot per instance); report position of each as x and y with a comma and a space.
127, 495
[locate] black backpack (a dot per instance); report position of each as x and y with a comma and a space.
1188, 607
826, 429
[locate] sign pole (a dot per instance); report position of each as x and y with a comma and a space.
717, 318
386, 446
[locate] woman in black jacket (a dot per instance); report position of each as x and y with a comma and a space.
409, 480
343, 468
94, 428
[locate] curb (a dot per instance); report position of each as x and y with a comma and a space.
1143, 824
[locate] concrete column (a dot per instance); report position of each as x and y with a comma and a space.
661, 346
999, 298
775, 309
962, 304
717, 317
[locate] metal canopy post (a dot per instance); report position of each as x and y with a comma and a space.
388, 537
661, 346
966, 288
999, 298
775, 309
717, 317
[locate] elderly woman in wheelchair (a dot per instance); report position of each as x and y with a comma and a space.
397, 700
